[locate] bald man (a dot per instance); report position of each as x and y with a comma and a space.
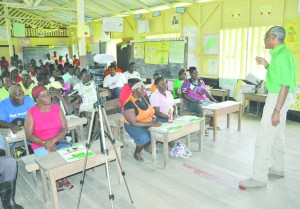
13, 111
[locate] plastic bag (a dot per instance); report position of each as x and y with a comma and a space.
180, 150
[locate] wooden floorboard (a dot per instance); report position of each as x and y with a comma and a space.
208, 179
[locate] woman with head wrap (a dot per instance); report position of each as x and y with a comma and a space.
138, 115
46, 127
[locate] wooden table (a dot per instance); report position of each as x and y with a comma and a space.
223, 93
54, 167
253, 97
165, 136
74, 123
223, 108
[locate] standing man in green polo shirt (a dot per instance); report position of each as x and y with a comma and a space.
280, 83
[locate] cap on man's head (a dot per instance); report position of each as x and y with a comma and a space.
56, 85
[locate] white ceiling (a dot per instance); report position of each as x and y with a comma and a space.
63, 13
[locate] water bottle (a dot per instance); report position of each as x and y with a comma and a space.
170, 115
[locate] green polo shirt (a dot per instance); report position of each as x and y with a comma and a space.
3, 93
177, 84
281, 70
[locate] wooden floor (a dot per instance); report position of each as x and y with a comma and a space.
207, 180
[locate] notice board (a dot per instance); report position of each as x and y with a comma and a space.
165, 57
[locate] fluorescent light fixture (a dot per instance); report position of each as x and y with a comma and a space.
155, 13
160, 8
181, 4
203, 1
123, 15
140, 11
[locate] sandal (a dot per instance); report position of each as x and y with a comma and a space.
139, 159
60, 187
68, 185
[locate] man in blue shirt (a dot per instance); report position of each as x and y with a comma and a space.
13, 111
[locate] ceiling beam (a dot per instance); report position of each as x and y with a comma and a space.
144, 6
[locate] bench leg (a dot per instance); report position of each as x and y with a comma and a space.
153, 145
166, 151
188, 140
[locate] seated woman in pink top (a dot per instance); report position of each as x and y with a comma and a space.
46, 127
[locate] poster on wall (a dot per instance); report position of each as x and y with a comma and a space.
112, 24
19, 30
105, 37
157, 52
175, 21
176, 52
24, 42
143, 26
3, 33
83, 31
139, 50
211, 44
191, 33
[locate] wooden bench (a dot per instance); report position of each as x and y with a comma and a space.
31, 167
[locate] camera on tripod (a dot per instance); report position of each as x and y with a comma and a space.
97, 73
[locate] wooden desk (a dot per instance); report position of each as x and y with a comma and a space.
253, 97
223, 108
54, 167
168, 136
74, 123
220, 93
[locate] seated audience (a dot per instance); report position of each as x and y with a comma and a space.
153, 87
8, 176
87, 91
46, 127
15, 78
114, 82
76, 61
178, 84
7, 82
117, 70
131, 73
69, 74
56, 92
138, 117
43, 79
126, 91
194, 93
162, 100
13, 111
26, 83
48, 60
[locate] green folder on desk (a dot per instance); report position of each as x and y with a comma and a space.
168, 127
76, 152
188, 118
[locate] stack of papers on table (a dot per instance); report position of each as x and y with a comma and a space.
76, 152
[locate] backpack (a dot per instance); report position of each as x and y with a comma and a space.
180, 150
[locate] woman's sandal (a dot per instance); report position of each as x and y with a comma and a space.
60, 187
139, 159
68, 185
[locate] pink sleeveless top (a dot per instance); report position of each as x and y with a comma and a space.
46, 124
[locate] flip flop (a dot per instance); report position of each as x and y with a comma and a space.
139, 159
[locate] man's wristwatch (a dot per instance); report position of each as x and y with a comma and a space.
278, 111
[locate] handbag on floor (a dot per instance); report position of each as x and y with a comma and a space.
180, 150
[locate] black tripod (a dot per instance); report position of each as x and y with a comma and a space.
101, 112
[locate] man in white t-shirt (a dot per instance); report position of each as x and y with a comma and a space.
131, 73
48, 60
114, 82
